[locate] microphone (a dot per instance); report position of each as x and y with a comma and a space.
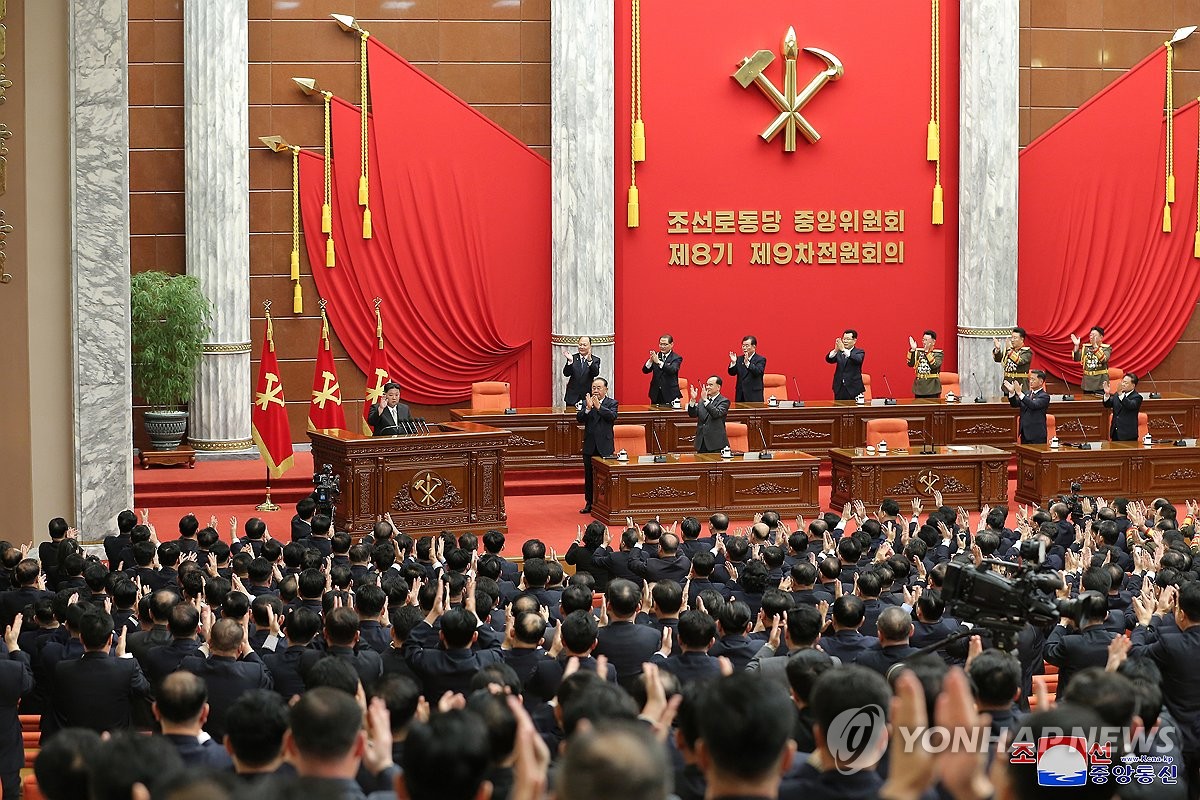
1181, 441
927, 447
406, 426
979, 398
1083, 445
1067, 386
659, 457
797, 403
1155, 395
890, 400
766, 453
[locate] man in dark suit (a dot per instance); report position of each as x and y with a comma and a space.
16, 679
710, 416
98, 691
668, 565
598, 413
1072, 649
1173, 649
114, 546
618, 562
181, 708
231, 669
386, 415
581, 369
663, 368
303, 625
624, 643
894, 626
844, 641
141, 642
848, 361
26, 576
451, 667
1033, 405
749, 369
341, 636
302, 521
1125, 405
161, 661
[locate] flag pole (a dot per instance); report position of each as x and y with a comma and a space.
267, 505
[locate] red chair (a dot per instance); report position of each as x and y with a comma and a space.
739, 436
1115, 376
490, 396
1143, 425
867, 387
1051, 428
683, 390
891, 430
29, 788
775, 385
631, 439
950, 384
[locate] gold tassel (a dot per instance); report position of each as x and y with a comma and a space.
326, 218
366, 223
932, 147
1196, 246
639, 140
295, 265
1170, 188
634, 216
938, 206
1166, 217
329, 259
298, 300
362, 190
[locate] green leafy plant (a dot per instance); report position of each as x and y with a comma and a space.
170, 320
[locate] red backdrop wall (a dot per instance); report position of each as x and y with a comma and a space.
704, 154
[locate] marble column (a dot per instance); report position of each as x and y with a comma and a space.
217, 182
988, 138
99, 142
582, 153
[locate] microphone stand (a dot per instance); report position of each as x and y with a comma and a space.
1156, 394
979, 398
890, 400
766, 453
1066, 387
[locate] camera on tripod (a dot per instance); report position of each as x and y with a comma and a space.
327, 489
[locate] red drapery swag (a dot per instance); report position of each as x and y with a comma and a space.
460, 251
1091, 247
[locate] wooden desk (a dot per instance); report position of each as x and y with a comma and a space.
1116, 469
549, 438
704, 483
451, 478
969, 478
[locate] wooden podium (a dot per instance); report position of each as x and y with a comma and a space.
450, 478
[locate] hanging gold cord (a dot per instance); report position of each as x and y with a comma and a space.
364, 194
324, 323
933, 142
633, 212
327, 207
270, 326
297, 296
378, 324
1169, 183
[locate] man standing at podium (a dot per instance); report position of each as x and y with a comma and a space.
598, 413
663, 368
1033, 405
848, 358
1125, 405
581, 369
385, 417
749, 369
710, 417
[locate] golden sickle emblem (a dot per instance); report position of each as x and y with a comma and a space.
272, 394
428, 486
929, 481
789, 101
330, 391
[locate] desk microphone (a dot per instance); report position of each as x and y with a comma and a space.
979, 398
1181, 441
659, 457
1084, 445
1066, 388
766, 453
1155, 395
407, 427
797, 403
890, 400
927, 446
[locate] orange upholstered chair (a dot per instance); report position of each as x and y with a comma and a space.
490, 396
891, 430
1114, 376
867, 387
30, 790
1143, 425
950, 384
1051, 428
774, 385
631, 439
683, 390
739, 436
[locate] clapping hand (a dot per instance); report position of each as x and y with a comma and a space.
693, 393
912, 343
1075, 341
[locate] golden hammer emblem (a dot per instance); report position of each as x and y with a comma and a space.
790, 101
928, 479
427, 485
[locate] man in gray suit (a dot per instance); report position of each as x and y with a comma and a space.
710, 415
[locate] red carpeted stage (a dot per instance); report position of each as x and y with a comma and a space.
544, 506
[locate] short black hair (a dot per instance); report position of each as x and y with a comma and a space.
95, 628
254, 726
387, 387
850, 331
1097, 329
325, 723
996, 676
1019, 331
696, 629
745, 722
62, 764
181, 696
930, 333
128, 758
751, 339
447, 757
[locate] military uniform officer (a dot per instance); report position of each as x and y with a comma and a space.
1094, 357
1015, 358
928, 363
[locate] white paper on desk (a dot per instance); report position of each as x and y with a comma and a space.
645, 459
960, 448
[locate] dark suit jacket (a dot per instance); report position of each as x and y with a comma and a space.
539, 673
675, 568
383, 424
847, 644
690, 667
1071, 651
627, 646
1175, 655
617, 562
284, 666
366, 662
664, 380
1124, 416
583, 560
749, 379
15, 601
739, 649
227, 679
847, 374
163, 660
114, 546
710, 424
579, 377
1033, 407
16, 679
440, 671
881, 659
98, 691
598, 427
300, 528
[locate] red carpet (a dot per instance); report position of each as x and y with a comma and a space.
234, 488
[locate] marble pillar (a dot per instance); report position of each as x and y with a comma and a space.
217, 182
582, 153
99, 142
987, 186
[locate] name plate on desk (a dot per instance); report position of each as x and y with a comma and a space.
646, 459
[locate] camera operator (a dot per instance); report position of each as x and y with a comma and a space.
1080, 638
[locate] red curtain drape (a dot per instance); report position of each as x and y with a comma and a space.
1091, 248
460, 251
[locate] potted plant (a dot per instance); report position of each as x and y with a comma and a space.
169, 318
